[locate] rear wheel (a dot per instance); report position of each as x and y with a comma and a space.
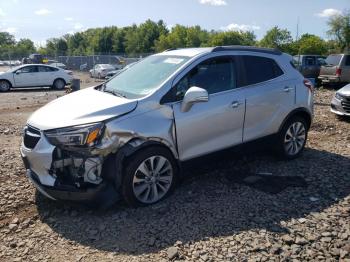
292, 138
4, 86
150, 176
59, 84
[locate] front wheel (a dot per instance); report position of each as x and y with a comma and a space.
150, 176
292, 138
4, 86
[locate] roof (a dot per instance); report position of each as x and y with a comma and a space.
190, 52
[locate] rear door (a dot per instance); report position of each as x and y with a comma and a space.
212, 125
45, 76
269, 96
26, 76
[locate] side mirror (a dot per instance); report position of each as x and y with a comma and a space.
193, 95
18, 72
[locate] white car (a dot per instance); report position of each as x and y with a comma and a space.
59, 65
101, 70
34, 75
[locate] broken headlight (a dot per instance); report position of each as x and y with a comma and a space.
83, 135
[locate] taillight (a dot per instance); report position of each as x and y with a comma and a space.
308, 84
338, 72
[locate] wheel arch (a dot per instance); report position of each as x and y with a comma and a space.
302, 112
8, 81
115, 163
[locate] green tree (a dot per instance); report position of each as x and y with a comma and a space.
24, 47
6, 39
339, 28
277, 38
141, 39
232, 38
311, 44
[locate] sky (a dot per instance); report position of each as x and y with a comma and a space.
43, 19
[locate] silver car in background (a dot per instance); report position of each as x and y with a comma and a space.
134, 131
101, 70
340, 104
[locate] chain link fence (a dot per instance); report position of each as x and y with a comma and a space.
82, 63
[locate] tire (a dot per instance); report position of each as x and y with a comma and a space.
292, 138
146, 187
4, 85
59, 84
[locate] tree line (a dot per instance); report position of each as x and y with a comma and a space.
151, 37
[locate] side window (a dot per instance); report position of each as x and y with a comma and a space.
347, 60
260, 69
310, 61
214, 75
44, 69
29, 69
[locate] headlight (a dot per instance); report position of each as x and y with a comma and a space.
338, 96
83, 135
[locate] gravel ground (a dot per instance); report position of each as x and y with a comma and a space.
252, 207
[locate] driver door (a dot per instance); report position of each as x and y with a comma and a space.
26, 76
215, 124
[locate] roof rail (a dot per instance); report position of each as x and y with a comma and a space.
247, 48
170, 49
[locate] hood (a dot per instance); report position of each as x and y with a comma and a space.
78, 108
345, 90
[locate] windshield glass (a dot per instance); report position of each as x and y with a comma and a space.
145, 76
106, 66
333, 59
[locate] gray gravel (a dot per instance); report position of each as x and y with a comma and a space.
233, 208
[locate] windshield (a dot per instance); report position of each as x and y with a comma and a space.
145, 76
333, 59
106, 66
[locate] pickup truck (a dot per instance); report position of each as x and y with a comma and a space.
336, 69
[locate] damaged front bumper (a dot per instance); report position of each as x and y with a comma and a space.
59, 174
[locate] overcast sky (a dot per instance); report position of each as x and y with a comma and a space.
42, 19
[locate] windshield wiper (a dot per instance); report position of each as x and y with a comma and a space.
113, 92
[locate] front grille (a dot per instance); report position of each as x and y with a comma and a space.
345, 102
31, 137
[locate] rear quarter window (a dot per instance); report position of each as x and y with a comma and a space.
259, 69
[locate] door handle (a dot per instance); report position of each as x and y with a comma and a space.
235, 104
287, 89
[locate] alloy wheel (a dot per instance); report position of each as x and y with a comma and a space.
152, 179
294, 139
4, 86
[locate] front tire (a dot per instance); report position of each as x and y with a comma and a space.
150, 176
59, 84
292, 138
4, 86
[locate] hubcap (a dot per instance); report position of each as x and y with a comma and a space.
4, 86
59, 84
152, 179
295, 138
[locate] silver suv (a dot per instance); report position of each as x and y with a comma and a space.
133, 132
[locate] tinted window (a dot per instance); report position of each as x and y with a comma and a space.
333, 59
29, 69
214, 75
310, 60
259, 69
347, 60
46, 69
